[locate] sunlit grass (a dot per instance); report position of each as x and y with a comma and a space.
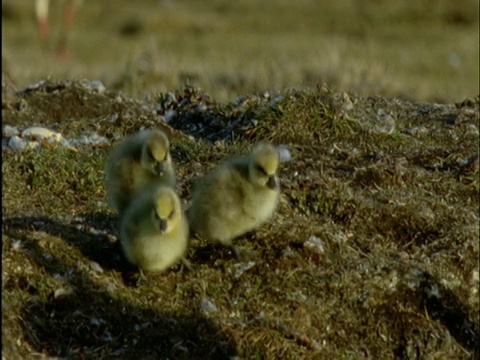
411, 50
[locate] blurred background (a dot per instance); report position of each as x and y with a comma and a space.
422, 50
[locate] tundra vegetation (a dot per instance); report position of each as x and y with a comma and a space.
374, 249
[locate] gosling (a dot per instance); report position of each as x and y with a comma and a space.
238, 197
142, 160
154, 231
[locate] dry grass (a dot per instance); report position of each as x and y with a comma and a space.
422, 51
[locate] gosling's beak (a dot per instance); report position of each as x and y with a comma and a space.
159, 168
272, 182
162, 224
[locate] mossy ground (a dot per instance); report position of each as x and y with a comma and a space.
395, 211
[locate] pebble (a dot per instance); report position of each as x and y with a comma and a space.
98, 86
242, 267
315, 245
385, 123
97, 321
9, 131
170, 115
63, 291
471, 130
417, 131
16, 245
284, 154
18, 144
207, 306
276, 100
347, 103
96, 267
32, 137
41, 133
32, 87
202, 107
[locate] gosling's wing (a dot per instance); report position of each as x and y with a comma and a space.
170, 177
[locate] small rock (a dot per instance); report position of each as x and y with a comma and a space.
315, 245
242, 267
287, 252
112, 118
417, 131
475, 275
471, 130
98, 140
58, 276
41, 133
385, 123
276, 100
38, 235
32, 87
16, 245
97, 321
469, 165
18, 144
98, 86
207, 306
298, 295
96, 267
170, 115
63, 291
111, 238
201, 107
284, 154
139, 327
9, 131
92, 140
68, 144
347, 103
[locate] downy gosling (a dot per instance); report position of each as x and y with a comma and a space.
142, 160
154, 231
238, 197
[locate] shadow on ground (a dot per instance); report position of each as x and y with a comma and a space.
85, 320
90, 233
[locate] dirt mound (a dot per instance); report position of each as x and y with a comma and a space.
373, 252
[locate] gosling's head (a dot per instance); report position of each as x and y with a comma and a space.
155, 153
166, 212
263, 166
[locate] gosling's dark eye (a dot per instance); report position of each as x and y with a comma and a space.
162, 224
172, 213
150, 156
260, 169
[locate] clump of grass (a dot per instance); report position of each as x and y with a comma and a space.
310, 117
